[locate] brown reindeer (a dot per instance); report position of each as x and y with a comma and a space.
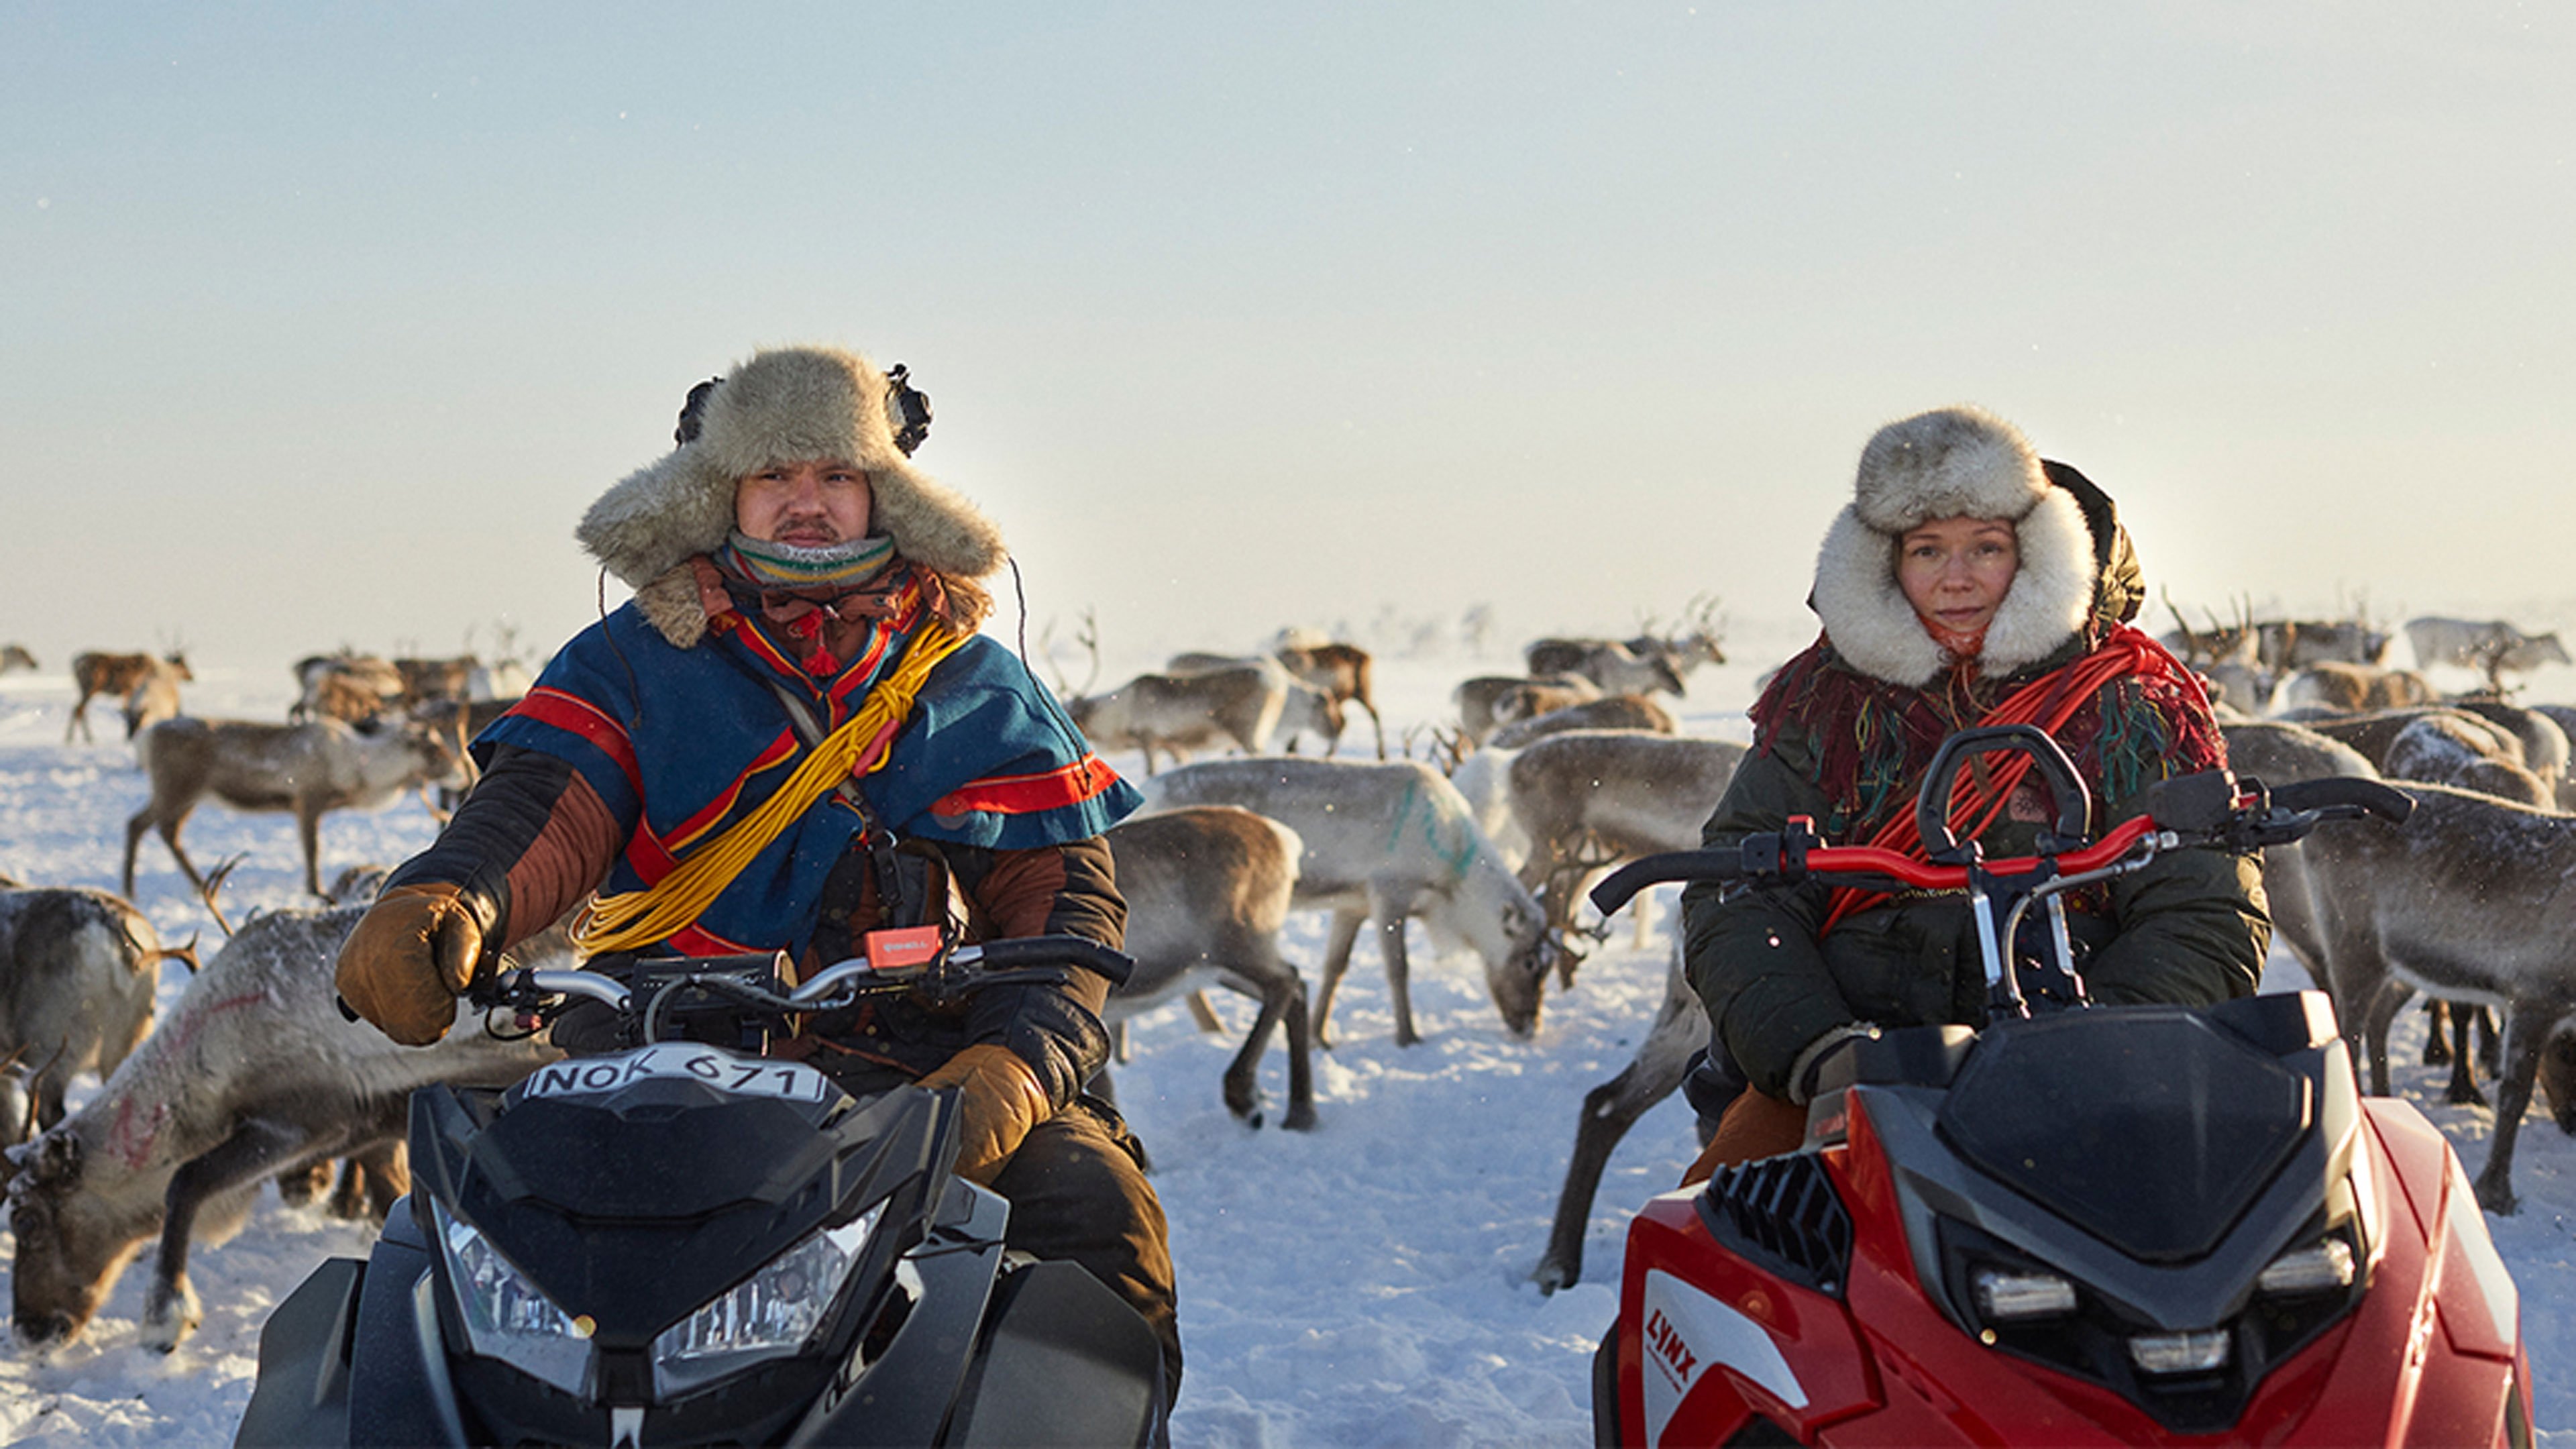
115, 676
1207, 890
1340, 670
309, 769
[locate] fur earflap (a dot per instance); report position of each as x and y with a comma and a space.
1955, 463
784, 405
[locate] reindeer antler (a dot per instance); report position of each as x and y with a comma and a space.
215, 882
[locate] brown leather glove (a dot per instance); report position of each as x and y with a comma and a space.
411, 955
999, 1100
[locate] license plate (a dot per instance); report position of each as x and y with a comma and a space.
725, 1071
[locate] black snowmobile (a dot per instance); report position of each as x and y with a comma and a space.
685, 1242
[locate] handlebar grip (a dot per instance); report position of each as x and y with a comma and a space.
1622, 884
2385, 801
1018, 951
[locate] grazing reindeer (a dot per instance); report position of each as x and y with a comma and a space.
1207, 889
2465, 900
309, 769
1385, 843
115, 676
1590, 799
1340, 670
2492, 647
1490, 701
78, 969
254, 1071
2340, 685
2447, 750
1610, 712
346, 686
1182, 712
15, 656
1304, 708
1609, 663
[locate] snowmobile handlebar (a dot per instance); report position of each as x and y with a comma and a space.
756, 979
2209, 810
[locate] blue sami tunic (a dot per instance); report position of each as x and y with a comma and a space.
681, 743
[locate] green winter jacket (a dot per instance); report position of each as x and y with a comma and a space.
2191, 929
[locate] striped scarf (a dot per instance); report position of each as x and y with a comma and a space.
832, 568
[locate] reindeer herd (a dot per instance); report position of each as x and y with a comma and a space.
1484, 828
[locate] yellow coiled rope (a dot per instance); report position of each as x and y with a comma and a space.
640, 918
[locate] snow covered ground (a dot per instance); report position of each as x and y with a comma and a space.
1365, 1284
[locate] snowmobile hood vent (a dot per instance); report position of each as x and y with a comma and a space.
2147, 1127
1783, 1212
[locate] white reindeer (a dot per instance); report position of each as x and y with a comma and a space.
1384, 843
1589, 799
1207, 888
255, 1070
309, 769
1304, 708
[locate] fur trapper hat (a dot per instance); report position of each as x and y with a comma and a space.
782, 406
1957, 462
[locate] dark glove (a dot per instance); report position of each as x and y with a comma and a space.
412, 954
999, 1101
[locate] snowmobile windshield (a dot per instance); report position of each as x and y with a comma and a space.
2147, 1127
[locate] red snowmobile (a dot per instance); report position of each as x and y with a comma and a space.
2082, 1224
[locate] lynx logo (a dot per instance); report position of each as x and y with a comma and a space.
1672, 1355
1686, 1332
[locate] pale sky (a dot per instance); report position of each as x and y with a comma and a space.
321, 325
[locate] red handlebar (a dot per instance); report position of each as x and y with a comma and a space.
1832, 860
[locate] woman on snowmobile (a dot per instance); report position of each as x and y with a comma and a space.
1969, 581
792, 736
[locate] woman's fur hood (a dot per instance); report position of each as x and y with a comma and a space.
782, 405
1959, 462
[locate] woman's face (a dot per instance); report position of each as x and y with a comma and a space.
1956, 571
812, 504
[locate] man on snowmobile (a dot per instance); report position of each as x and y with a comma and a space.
803, 594
1968, 582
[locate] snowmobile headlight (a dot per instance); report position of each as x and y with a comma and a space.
506, 1317
2318, 1268
2180, 1353
2007, 1297
772, 1312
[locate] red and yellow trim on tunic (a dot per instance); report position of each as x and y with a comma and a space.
577, 716
1084, 779
686, 833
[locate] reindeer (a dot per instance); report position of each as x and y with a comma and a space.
1492, 700
1696, 644
15, 656
2492, 646
1182, 712
2340, 685
345, 686
154, 698
2450, 749
1610, 664
115, 676
1304, 708
78, 970
1340, 670
2287, 644
1590, 799
310, 769
1610, 712
1386, 843
2465, 900
2373, 733
1207, 889
255, 1070
427, 679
